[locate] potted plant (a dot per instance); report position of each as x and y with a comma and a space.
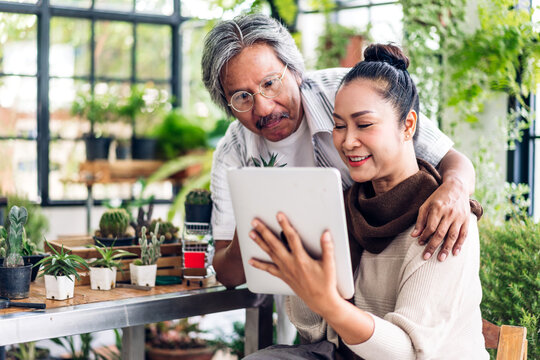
99, 110
60, 271
113, 229
36, 225
14, 274
176, 135
141, 108
177, 339
122, 149
103, 269
167, 229
198, 206
143, 271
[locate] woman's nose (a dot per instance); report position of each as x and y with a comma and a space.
263, 106
351, 140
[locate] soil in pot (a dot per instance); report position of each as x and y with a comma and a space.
15, 282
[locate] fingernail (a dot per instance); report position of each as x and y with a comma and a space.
279, 217
254, 223
251, 262
442, 257
427, 256
414, 233
421, 242
326, 236
456, 252
252, 234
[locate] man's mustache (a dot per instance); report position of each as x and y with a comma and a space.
272, 117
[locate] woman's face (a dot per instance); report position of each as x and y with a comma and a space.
369, 138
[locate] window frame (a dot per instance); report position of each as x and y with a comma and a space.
44, 11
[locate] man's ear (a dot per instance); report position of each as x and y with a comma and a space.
410, 124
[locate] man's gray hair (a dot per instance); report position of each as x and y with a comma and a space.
228, 38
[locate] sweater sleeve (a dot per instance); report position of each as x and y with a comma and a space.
430, 144
434, 299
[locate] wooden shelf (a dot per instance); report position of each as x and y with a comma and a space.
129, 171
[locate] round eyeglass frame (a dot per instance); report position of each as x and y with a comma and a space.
260, 91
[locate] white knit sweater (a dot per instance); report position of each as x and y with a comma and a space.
422, 309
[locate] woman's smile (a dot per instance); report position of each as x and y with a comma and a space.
356, 161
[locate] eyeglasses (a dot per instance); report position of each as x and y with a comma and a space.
270, 87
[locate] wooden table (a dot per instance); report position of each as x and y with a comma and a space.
130, 309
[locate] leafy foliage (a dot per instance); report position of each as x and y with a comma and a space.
510, 275
109, 257
272, 162
61, 263
69, 344
235, 341
177, 135
332, 44
175, 334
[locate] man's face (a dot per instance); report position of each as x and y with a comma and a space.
275, 118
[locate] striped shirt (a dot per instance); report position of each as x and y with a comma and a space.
318, 91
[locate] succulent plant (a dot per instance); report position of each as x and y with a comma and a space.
113, 223
17, 218
150, 250
166, 228
143, 219
198, 197
272, 162
3, 242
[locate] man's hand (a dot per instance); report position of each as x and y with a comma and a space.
444, 216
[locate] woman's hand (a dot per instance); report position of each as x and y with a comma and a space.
444, 216
312, 280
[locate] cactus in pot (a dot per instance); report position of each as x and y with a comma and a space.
15, 276
3, 242
143, 271
113, 228
198, 206
17, 218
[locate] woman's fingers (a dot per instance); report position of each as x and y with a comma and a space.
328, 262
265, 266
292, 238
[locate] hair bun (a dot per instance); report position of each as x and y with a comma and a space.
390, 54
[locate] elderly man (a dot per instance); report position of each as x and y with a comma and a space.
254, 71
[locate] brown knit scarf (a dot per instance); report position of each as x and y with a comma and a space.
375, 220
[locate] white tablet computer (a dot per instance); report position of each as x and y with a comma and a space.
312, 199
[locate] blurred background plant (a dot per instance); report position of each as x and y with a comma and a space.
510, 275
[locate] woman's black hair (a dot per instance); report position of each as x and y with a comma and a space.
387, 66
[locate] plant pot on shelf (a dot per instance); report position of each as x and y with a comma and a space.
107, 242
198, 213
15, 281
97, 148
154, 353
122, 150
30, 260
59, 287
143, 275
102, 278
144, 148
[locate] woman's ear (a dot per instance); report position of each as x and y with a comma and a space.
410, 124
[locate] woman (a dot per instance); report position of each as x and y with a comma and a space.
404, 307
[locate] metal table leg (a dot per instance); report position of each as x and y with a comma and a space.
89, 204
133, 343
259, 326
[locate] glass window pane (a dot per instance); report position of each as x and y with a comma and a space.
62, 123
117, 5
18, 168
22, 1
64, 159
18, 44
72, 3
162, 7
18, 106
114, 40
153, 52
114, 125
536, 199
70, 47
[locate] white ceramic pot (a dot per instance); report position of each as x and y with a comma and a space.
102, 278
60, 287
143, 275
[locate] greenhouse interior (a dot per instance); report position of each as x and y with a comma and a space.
179, 180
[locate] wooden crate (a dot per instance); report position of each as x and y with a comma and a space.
170, 262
